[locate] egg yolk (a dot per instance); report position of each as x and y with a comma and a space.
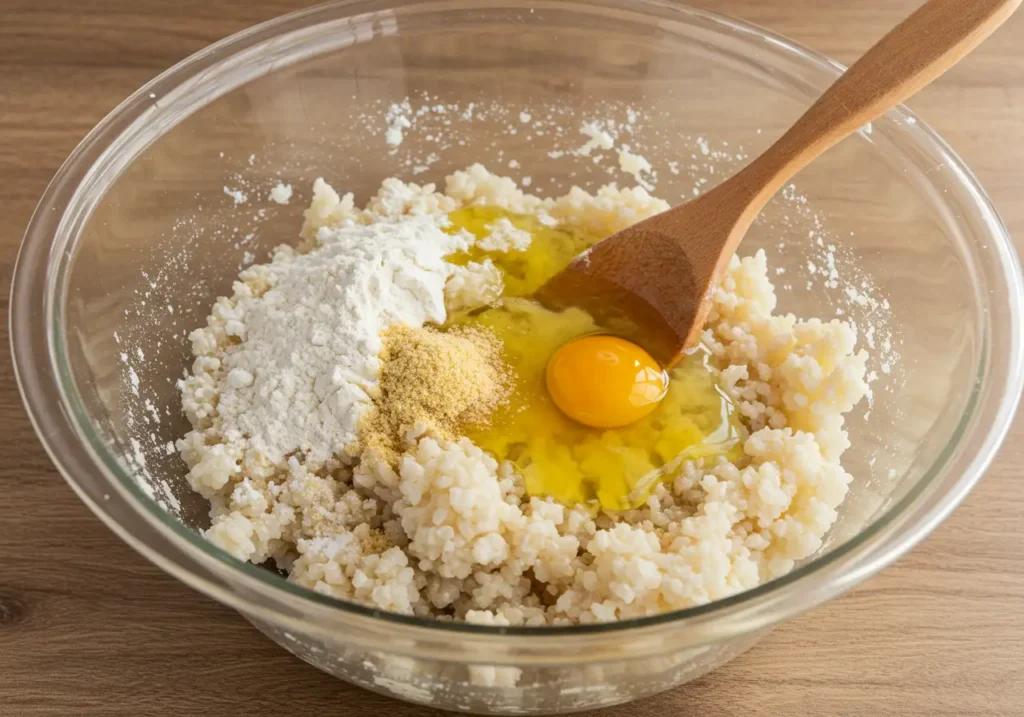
605, 381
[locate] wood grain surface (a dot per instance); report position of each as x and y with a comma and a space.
88, 627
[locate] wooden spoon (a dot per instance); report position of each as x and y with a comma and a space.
661, 273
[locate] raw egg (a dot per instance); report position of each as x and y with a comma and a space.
632, 425
605, 381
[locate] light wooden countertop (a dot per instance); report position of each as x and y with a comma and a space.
88, 627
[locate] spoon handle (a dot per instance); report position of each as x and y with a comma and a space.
911, 56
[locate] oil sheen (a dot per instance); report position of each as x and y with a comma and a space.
613, 469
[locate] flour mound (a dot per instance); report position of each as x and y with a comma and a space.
292, 356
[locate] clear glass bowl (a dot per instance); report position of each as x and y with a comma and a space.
136, 236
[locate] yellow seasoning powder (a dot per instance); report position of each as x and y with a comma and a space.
436, 381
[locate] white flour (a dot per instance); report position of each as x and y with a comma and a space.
637, 165
281, 193
306, 329
237, 195
599, 139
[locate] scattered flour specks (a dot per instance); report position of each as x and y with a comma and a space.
237, 195
281, 193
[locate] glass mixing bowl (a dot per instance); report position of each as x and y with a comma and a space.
160, 206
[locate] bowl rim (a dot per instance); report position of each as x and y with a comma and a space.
49, 393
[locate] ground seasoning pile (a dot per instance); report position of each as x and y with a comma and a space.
436, 381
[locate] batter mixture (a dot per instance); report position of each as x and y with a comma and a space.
372, 410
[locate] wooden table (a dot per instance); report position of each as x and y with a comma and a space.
88, 627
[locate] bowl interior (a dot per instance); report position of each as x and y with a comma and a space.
877, 231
